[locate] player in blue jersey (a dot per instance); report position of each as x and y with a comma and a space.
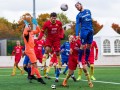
84, 26
65, 48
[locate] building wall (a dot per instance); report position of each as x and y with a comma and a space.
6, 61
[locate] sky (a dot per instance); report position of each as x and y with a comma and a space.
104, 11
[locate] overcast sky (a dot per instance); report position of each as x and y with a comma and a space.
103, 11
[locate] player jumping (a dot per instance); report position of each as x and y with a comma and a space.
28, 36
85, 27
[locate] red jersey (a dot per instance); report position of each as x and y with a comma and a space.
93, 47
39, 45
53, 30
75, 47
17, 51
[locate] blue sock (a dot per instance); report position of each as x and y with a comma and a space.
26, 69
29, 71
87, 52
80, 54
57, 73
65, 69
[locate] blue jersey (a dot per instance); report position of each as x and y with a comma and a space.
66, 47
83, 21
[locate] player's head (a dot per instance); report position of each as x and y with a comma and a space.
79, 6
53, 17
70, 37
17, 42
29, 26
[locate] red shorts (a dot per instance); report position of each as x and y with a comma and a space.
91, 60
54, 60
55, 43
72, 62
17, 59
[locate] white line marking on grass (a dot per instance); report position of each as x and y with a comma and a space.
95, 81
115, 83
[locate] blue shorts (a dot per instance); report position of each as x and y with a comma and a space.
26, 60
86, 36
64, 61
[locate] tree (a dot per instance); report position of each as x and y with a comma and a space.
6, 30
116, 27
96, 26
42, 18
63, 18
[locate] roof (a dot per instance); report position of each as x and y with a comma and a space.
107, 31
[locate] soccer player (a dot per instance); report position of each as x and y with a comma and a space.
53, 62
65, 48
54, 34
28, 35
93, 56
73, 61
85, 27
17, 51
38, 49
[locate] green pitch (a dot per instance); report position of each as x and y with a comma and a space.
108, 78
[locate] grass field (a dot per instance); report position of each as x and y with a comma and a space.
108, 78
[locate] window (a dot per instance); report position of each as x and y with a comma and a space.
106, 46
117, 46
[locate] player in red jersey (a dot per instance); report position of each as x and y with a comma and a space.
53, 62
54, 34
38, 48
17, 51
73, 61
93, 56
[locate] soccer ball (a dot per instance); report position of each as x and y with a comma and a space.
53, 86
64, 7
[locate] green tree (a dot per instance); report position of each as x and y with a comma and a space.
42, 18
63, 18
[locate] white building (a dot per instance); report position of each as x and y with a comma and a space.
108, 42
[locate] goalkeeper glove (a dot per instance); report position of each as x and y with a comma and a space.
34, 21
26, 23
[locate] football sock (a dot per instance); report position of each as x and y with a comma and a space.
65, 69
14, 69
87, 53
44, 59
79, 72
91, 69
57, 73
80, 54
59, 61
48, 69
87, 77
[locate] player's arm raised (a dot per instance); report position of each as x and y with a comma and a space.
77, 26
34, 21
42, 31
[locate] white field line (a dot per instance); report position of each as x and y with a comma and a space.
115, 83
